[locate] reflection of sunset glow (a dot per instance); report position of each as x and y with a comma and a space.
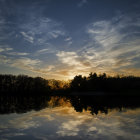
56, 101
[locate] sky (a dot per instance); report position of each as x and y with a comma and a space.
58, 39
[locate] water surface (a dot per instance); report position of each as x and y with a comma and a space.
66, 118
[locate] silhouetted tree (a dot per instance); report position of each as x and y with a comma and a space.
78, 83
92, 76
23, 84
103, 83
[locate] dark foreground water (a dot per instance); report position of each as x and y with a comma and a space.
69, 118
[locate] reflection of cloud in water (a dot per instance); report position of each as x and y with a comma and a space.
20, 122
14, 134
63, 121
30, 120
112, 126
70, 128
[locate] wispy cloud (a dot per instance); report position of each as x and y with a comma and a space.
44, 70
39, 31
17, 53
25, 63
112, 39
46, 50
42, 50
9, 135
27, 37
111, 48
69, 58
74, 63
82, 2
104, 33
5, 48
34, 30
72, 59
56, 33
69, 40
32, 33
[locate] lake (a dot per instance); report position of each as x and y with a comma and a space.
66, 118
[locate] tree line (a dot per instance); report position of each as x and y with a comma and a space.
12, 84
103, 82
23, 84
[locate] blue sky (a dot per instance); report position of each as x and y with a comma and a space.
62, 38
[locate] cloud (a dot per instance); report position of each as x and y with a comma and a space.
32, 28
79, 63
56, 33
42, 51
112, 45
74, 64
111, 48
69, 58
25, 63
72, 59
69, 43
82, 3
44, 70
46, 50
109, 45
27, 37
105, 33
13, 134
5, 48
1, 49
4, 60
40, 30
17, 53
69, 40
112, 33
63, 72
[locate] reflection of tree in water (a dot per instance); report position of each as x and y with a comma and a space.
22, 104
96, 104
102, 104
56, 101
